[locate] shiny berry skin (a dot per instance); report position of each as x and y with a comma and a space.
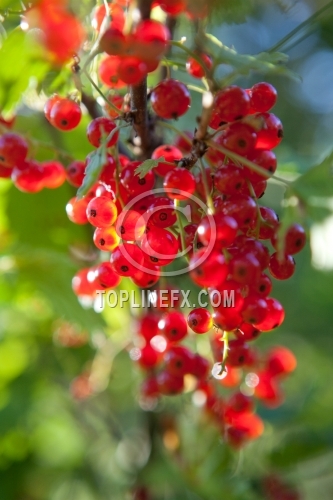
274, 318
229, 291
130, 225
147, 277
173, 326
29, 179
132, 182
65, 114
106, 276
49, 105
223, 234
169, 384
108, 72
100, 127
132, 70
54, 174
113, 42
227, 319
280, 361
160, 246
269, 222
200, 320
265, 159
244, 244
230, 104
263, 97
149, 357
210, 270
195, 69
179, 184
178, 360
264, 286
200, 180
240, 138
101, 212
161, 213
13, 150
81, 285
238, 354
254, 309
106, 238
152, 34
126, 259
229, 179
241, 207
170, 99
245, 269
247, 332
170, 153
148, 326
294, 239
75, 173
281, 269
76, 210
271, 133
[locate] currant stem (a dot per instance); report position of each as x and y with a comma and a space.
209, 200
225, 340
100, 92
244, 161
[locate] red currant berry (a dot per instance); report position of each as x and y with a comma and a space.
100, 127
170, 154
106, 238
178, 360
240, 138
81, 285
223, 234
49, 105
168, 384
269, 222
173, 326
229, 179
75, 173
245, 269
263, 97
230, 104
197, 70
200, 320
172, 7
170, 99
126, 259
13, 150
132, 70
274, 318
130, 225
149, 357
148, 326
76, 210
280, 361
106, 276
108, 72
271, 133
254, 309
208, 270
294, 239
281, 269
117, 16
147, 277
132, 182
161, 213
266, 160
101, 212
160, 246
54, 174
29, 179
179, 184
65, 114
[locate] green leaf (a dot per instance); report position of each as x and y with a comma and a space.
21, 60
147, 166
316, 182
94, 168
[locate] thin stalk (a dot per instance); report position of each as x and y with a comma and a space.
209, 200
181, 228
99, 91
245, 161
298, 28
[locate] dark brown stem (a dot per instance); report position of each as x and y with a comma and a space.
92, 106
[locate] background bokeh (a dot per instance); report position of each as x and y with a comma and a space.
53, 447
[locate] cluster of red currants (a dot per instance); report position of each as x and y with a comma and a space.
27, 175
226, 249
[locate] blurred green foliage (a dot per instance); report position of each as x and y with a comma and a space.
53, 447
